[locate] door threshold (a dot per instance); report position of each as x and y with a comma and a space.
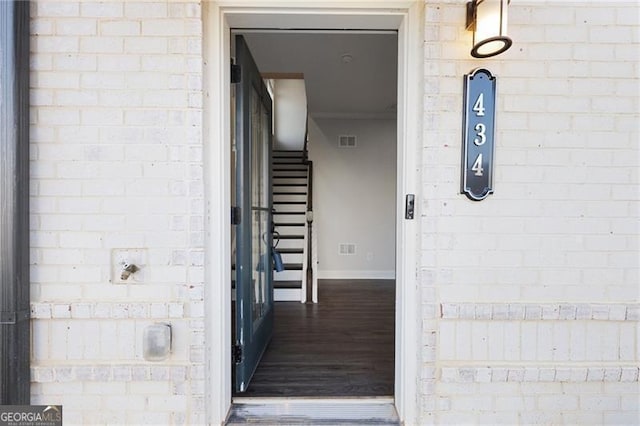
312, 399
314, 410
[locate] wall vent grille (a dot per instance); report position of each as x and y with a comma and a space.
347, 249
347, 141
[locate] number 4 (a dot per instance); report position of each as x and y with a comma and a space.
477, 166
478, 107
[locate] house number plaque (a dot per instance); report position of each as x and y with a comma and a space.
478, 134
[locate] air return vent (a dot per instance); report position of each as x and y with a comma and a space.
346, 141
347, 249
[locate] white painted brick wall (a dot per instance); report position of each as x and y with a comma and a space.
554, 175
529, 298
538, 284
116, 164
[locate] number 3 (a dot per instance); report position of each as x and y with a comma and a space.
481, 136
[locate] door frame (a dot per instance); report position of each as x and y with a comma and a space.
218, 18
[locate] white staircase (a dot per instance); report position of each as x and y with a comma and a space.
290, 178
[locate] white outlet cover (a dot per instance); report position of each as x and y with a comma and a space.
156, 342
122, 257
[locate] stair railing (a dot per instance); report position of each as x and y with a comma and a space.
305, 149
304, 297
310, 270
309, 273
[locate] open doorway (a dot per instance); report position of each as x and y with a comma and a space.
344, 345
219, 18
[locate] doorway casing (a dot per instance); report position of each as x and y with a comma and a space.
218, 18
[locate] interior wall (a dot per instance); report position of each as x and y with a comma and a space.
354, 197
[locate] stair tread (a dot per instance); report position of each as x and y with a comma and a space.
288, 224
278, 284
289, 212
291, 237
287, 284
290, 184
293, 266
289, 193
290, 250
289, 202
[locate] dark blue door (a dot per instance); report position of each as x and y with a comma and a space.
254, 273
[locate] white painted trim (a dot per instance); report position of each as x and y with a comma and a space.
314, 410
356, 275
320, 400
406, 17
299, 31
408, 314
217, 170
287, 295
305, 257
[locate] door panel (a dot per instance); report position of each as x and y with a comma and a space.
254, 272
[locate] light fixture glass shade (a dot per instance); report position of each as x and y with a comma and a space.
490, 34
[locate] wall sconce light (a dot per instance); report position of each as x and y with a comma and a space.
488, 21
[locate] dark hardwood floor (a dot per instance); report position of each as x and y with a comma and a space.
342, 346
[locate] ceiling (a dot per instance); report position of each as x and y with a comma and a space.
365, 85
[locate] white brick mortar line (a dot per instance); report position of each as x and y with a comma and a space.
107, 310
544, 311
539, 374
109, 373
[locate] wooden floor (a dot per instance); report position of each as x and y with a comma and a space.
342, 346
